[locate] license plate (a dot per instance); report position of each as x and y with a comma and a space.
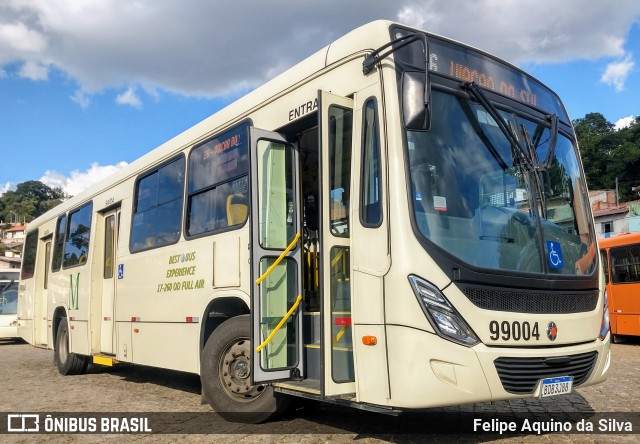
556, 386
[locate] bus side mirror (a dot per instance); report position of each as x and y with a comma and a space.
416, 103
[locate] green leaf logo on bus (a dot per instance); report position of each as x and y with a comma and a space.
73, 292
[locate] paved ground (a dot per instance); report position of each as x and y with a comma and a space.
29, 382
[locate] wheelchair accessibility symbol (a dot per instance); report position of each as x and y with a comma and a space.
554, 255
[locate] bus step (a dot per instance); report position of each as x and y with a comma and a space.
104, 360
308, 386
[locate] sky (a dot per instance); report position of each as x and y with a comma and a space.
88, 86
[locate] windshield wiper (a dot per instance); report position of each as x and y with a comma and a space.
537, 172
552, 141
475, 123
473, 89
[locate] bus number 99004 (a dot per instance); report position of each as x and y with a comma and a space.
515, 330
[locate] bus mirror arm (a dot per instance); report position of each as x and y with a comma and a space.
416, 88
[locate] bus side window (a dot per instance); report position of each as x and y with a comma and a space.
370, 198
157, 212
605, 265
58, 246
76, 246
29, 256
218, 184
625, 264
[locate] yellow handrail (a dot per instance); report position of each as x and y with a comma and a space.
288, 249
280, 324
340, 334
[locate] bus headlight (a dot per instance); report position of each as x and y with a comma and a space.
445, 320
604, 326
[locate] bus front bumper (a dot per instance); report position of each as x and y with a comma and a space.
428, 371
8, 332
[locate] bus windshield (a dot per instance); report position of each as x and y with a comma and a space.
478, 198
8, 297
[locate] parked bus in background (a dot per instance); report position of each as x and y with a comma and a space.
621, 263
9, 303
394, 228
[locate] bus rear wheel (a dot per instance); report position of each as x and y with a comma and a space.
68, 363
225, 372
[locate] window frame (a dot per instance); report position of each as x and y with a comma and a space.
614, 274
247, 123
377, 151
605, 225
66, 234
332, 171
59, 246
604, 258
134, 203
31, 235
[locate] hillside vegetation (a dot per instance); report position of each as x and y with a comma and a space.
608, 154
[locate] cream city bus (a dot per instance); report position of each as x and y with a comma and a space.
9, 303
399, 221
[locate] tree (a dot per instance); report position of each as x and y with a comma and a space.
609, 154
593, 124
29, 200
590, 131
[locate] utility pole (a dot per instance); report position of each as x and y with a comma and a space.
617, 195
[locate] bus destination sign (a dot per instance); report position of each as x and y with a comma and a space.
467, 65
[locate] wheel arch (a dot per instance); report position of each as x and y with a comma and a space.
219, 310
58, 314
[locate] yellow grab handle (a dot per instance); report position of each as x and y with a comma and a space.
340, 334
280, 324
284, 253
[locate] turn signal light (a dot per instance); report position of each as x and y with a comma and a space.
369, 340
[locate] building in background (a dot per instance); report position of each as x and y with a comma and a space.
11, 240
612, 218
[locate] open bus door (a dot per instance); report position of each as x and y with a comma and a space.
276, 230
336, 135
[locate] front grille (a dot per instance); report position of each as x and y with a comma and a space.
521, 375
527, 301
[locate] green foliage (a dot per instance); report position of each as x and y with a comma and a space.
608, 154
28, 201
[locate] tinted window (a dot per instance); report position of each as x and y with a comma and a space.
473, 197
8, 297
61, 227
29, 255
605, 265
371, 211
340, 132
10, 275
109, 246
158, 207
218, 183
76, 246
625, 264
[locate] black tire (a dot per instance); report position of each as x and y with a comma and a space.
68, 363
616, 339
225, 369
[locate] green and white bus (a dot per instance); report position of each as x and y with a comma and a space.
398, 222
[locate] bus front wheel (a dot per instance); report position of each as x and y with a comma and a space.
68, 363
225, 370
